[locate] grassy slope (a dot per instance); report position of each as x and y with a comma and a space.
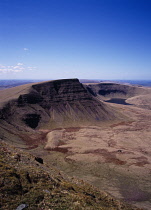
26, 181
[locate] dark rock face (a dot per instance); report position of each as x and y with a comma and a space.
56, 104
32, 120
32, 98
113, 90
62, 90
39, 160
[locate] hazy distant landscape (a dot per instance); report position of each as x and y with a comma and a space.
13, 83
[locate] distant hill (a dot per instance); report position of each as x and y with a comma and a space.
53, 104
13, 83
121, 93
108, 90
97, 132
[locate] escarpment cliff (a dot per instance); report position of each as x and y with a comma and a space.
49, 105
52, 104
62, 124
113, 90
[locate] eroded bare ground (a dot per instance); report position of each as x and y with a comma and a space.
115, 157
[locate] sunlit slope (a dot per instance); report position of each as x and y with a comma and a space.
27, 182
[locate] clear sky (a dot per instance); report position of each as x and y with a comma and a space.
85, 39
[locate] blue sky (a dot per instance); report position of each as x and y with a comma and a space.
85, 39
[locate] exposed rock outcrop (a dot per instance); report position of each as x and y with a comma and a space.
53, 104
113, 90
24, 185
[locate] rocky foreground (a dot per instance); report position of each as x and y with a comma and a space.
98, 133
27, 182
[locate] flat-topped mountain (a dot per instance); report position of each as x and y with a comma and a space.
98, 132
53, 104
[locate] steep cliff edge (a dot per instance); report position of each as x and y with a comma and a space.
106, 90
51, 121
53, 104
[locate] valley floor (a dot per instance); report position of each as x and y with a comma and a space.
98, 133
114, 157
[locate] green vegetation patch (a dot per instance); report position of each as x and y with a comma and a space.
24, 181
